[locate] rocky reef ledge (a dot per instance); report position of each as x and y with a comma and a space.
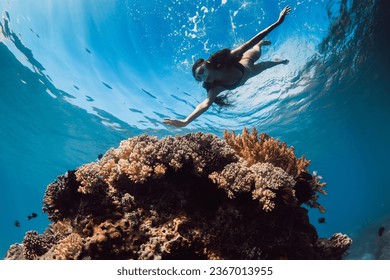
186, 197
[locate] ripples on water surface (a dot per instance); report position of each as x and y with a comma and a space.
79, 76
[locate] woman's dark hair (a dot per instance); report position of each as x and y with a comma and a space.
220, 59
222, 100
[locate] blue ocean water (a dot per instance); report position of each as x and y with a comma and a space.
77, 77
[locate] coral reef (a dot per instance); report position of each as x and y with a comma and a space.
256, 148
186, 197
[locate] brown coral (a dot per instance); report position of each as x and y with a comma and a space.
337, 243
68, 248
36, 245
144, 157
263, 180
183, 197
260, 148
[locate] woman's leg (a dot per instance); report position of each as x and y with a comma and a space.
261, 66
254, 53
249, 58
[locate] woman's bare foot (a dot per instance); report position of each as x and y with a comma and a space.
282, 61
265, 43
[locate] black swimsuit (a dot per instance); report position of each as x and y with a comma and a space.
240, 67
222, 59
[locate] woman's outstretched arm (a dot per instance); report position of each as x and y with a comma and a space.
199, 110
260, 36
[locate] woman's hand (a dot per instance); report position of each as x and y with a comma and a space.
283, 14
173, 122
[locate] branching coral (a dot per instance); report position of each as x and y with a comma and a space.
144, 157
186, 197
68, 248
255, 148
337, 243
234, 178
263, 180
60, 195
162, 240
262, 148
36, 245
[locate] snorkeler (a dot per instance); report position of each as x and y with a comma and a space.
228, 69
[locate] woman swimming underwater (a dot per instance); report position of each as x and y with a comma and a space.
228, 69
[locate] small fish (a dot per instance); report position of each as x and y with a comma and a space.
17, 224
321, 220
107, 85
100, 156
33, 215
381, 230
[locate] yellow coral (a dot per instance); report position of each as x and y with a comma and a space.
159, 170
260, 148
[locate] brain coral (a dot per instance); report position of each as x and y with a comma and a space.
186, 197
